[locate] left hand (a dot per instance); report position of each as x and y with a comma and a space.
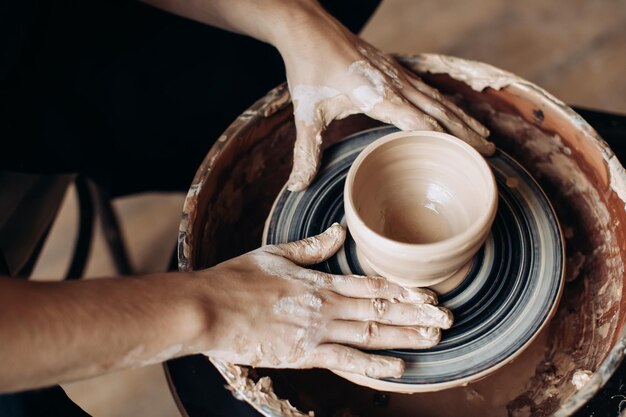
265, 308
333, 74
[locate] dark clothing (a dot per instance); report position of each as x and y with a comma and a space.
128, 95
47, 402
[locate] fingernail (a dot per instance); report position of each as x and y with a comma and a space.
335, 229
296, 182
430, 333
429, 315
489, 148
418, 296
448, 318
334, 233
483, 131
434, 124
301, 177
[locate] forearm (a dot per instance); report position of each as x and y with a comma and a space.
271, 21
56, 332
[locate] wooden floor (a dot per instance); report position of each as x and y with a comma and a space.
576, 49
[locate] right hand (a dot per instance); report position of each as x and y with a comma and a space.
332, 74
263, 309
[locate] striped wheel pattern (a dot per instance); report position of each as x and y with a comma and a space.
509, 293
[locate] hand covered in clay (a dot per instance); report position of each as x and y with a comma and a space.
333, 74
266, 310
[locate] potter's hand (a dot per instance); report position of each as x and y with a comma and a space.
265, 310
333, 74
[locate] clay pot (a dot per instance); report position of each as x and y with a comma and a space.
419, 205
567, 364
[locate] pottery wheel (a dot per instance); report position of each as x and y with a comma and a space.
509, 293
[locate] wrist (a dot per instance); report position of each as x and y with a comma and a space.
318, 40
191, 322
304, 26
197, 312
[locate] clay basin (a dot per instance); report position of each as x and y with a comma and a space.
573, 357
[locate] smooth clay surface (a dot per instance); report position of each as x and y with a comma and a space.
235, 187
419, 205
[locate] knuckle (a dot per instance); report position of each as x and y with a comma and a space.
324, 280
431, 333
318, 358
329, 300
379, 307
369, 332
347, 357
376, 285
333, 357
429, 120
448, 114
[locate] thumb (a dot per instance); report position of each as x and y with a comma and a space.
306, 155
313, 249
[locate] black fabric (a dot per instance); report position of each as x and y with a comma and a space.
48, 402
132, 96
28, 205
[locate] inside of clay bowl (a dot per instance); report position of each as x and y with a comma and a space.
420, 187
234, 189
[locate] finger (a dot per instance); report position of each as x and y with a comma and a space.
372, 335
402, 114
306, 155
313, 249
357, 286
433, 93
384, 311
347, 359
449, 120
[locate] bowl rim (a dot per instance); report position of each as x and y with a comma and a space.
453, 244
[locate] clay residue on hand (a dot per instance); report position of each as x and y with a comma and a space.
580, 378
369, 95
298, 306
307, 100
478, 75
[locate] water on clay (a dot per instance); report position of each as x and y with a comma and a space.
416, 223
424, 212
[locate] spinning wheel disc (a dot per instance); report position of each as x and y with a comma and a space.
509, 293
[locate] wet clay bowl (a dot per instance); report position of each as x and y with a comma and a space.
571, 359
419, 206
